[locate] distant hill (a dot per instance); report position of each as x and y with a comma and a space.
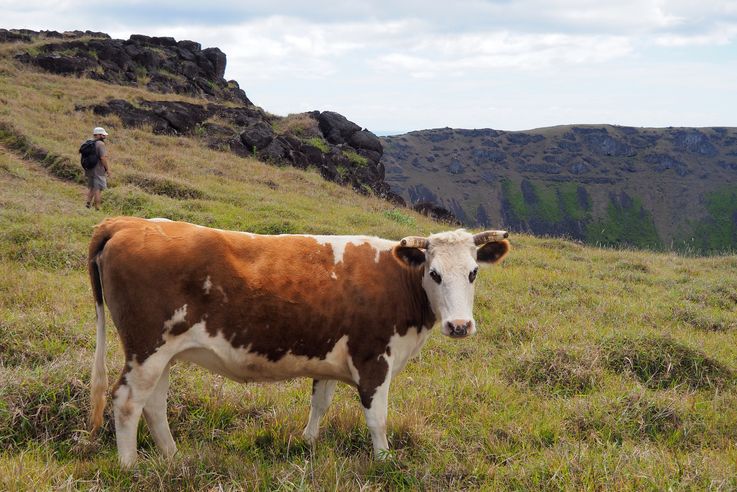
662, 188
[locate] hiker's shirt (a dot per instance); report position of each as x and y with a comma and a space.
99, 169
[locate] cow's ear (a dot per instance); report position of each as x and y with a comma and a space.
492, 252
412, 257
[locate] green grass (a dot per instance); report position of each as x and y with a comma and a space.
592, 369
355, 158
319, 143
552, 203
625, 225
719, 231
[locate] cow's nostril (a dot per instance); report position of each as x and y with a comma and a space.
459, 328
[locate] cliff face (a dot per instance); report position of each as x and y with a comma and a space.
660, 188
225, 118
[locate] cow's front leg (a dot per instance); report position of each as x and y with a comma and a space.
374, 393
322, 395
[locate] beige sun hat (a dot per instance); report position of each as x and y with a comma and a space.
99, 131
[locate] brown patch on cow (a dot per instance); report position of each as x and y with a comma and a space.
281, 291
373, 372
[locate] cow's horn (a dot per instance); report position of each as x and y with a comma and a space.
489, 237
415, 242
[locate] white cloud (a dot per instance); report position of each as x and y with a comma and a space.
496, 50
720, 35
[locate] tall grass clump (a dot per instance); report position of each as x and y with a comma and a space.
557, 370
661, 362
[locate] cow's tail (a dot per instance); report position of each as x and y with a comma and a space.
99, 372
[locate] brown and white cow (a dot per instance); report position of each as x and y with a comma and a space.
269, 308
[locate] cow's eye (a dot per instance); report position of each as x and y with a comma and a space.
436, 276
472, 275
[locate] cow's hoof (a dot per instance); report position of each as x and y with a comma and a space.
309, 437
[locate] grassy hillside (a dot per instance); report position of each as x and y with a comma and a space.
592, 368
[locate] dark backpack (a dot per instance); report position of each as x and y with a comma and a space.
88, 153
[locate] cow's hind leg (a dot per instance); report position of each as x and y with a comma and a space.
322, 395
155, 414
134, 389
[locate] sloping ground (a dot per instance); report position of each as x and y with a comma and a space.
592, 368
657, 188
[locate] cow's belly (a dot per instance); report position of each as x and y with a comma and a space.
240, 364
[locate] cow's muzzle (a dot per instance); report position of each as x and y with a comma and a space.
459, 328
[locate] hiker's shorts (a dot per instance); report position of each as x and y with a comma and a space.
96, 182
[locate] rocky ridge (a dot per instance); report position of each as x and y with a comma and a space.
227, 120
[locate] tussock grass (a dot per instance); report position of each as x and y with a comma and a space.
592, 369
636, 415
159, 185
661, 362
301, 125
559, 371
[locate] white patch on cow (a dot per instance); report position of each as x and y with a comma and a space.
180, 316
376, 415
354, 372
339, 243
240, 364
130, 397
405, 347
322, 395
159, 219
207, 285
333, 276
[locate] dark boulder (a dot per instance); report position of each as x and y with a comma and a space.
130, 115
436, 212
336, 127
181, 116
364, 139
64, 65
190, 46
217, 62
11, 36
260, 134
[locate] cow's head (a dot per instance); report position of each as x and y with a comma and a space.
449, 262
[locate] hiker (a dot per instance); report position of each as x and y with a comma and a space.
95, 164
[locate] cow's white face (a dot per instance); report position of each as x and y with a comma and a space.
449, 279
450, 264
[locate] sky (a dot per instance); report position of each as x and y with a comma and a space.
402, 65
